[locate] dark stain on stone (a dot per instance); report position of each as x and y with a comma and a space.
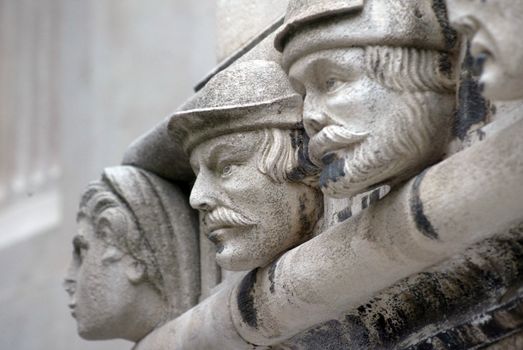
272, 271
449, 339
332, 172
478, 63
440, 9
497, 324
472, 107
374, 197
306, 223
305, 168
449, 299
493, 109
445, 64
364, 202
328, 336
245, 299
345, 214
416, 207
481, 134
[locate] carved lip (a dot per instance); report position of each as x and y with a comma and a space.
73, 310
331, 139
217, 234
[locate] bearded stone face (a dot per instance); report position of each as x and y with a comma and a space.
368, 126
493, 27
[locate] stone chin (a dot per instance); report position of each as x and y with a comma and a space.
338, 181
238, 251
88, 332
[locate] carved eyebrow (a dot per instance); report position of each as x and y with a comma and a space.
220, 151
79, 242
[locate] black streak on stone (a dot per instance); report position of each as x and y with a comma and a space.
472, 107
374, 197
416, 207
364, 202
329, 336
305, 221
332, 172
345, 214
440, 9
305, 168
272, 271
245, 299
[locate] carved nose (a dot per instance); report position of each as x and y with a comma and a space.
69, 286
202, 197
313, 118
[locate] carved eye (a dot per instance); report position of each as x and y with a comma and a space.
80, 247
333, 84
226, 170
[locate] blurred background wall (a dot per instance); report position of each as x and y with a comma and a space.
79, 80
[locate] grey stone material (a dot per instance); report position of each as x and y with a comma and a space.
397, 23
467, 289
135, 260
245, 140
493, 27
154, 151
414, 244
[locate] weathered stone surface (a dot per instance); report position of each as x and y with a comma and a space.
465, 301
240, 21
135, 259
493, 27
395, 263
253, 187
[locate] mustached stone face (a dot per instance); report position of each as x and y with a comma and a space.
362, 133
493, 28
248, 216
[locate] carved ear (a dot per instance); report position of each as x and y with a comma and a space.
135, 271
111, 255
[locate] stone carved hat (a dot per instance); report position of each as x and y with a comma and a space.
166, 224
247, 96
315, 25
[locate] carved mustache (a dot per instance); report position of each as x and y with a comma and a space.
225, 217
332, 138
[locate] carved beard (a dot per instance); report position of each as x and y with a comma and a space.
391, 154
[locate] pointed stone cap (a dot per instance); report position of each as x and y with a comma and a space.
247, 96
313, 25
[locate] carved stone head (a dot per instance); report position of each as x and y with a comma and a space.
135, 261
247, 148
493, 28
378, 89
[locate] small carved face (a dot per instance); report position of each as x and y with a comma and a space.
248, 216
493, 27
98, 285
352, 121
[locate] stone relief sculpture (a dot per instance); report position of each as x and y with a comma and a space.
493, 27
254, 184
135, 258
378, 80
379, 92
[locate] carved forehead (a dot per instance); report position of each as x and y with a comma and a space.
229, 144
318, 60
